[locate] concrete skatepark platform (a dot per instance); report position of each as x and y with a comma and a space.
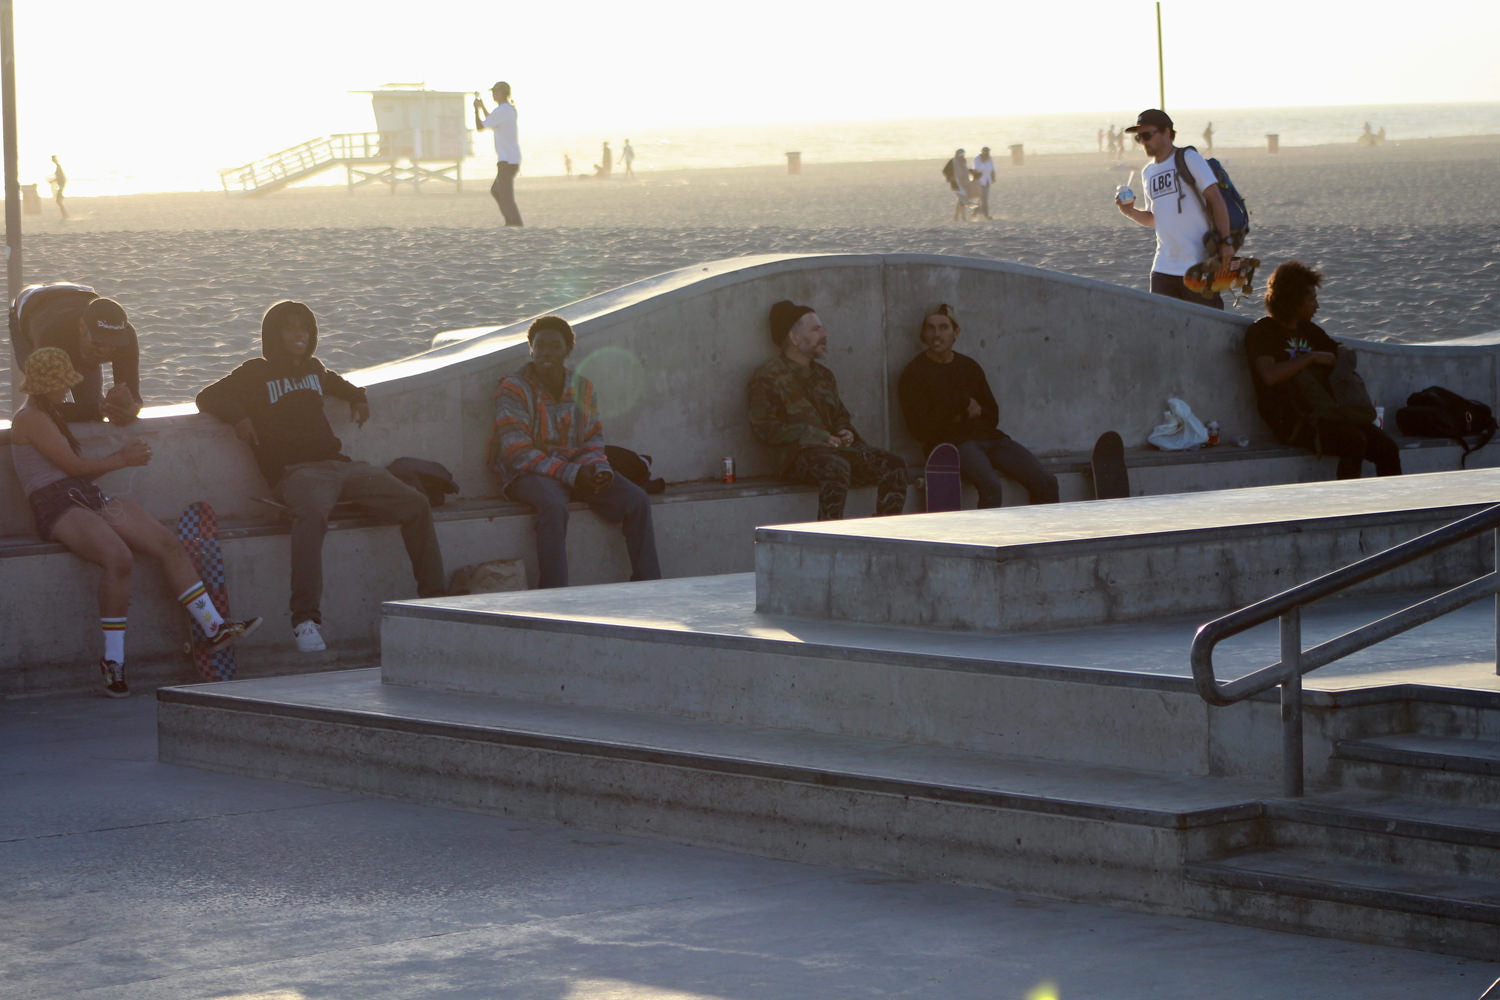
1075, 762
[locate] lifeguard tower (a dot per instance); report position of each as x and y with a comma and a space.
421, 135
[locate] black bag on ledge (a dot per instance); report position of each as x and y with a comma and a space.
1439, 412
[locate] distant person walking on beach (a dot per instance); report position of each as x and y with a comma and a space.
502, 122
1290, 360
795, 409
547, 450
1183, 231
958, 177
1208, 137
945, 397
984, 176
58, 480
606, 166
59, 182
92, 331
275, 404
627, 157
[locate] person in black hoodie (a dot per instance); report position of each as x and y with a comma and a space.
275, 403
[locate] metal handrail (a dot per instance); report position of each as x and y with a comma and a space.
1295, 661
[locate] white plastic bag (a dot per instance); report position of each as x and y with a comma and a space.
1180, 430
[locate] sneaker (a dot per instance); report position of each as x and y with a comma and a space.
114, 678
309, 639
231, 632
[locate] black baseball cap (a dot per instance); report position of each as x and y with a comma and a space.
1151, 116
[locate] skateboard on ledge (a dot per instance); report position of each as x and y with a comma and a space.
943, 487
1111, 478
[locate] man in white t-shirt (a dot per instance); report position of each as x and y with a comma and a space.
502, 122
1184, 232
984, 176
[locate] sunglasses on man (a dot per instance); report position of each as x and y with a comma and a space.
1147, 134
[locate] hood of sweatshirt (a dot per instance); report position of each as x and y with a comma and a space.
276, 318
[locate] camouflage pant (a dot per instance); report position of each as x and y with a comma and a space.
834, 470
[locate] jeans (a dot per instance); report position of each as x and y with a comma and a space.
503, 190
983, 462
621, 502
311, 489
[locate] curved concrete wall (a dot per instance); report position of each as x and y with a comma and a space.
1068, 358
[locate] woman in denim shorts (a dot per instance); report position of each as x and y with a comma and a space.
71, 510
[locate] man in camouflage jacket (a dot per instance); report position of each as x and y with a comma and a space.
796, 410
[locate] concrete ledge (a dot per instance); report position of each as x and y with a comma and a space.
1121, 561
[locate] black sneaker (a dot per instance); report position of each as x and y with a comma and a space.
114, 678
232, 632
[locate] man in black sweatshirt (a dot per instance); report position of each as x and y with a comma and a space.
275, 403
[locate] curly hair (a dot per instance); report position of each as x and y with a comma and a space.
1288, 285
554, 323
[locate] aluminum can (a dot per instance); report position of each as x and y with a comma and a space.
728, 470
1213, 432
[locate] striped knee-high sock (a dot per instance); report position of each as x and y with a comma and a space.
196, 602
114, 638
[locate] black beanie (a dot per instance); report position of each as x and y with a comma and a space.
784, 316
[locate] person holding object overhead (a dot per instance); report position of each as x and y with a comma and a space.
58, 480
502, 123
1174, 211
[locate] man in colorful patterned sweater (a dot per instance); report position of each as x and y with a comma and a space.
547, 448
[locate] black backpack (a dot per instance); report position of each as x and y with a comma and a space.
1439, 412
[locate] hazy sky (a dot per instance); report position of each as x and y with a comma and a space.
223, 83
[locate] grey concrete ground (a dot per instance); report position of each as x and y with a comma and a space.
121, 877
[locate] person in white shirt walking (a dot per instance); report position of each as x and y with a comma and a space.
502, 122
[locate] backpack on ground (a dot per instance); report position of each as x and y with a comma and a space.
1234, 202
1439, 412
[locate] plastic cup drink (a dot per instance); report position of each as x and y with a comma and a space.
1213, 432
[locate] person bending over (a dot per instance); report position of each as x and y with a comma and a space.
1290, 358
58, 480
795, 409
946, 398
93, 331
547, 448
275, 403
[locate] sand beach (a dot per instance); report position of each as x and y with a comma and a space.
1406, 233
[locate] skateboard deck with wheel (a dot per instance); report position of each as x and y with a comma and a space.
944, 488
198, 530
1212, 276
1111, 479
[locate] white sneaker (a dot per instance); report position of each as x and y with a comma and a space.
309, 639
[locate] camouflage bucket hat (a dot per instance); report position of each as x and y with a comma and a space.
48, 370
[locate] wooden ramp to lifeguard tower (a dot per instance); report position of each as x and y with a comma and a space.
421, 136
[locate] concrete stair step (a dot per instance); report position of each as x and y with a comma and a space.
696, 648
1306, 892
1073, 831
1448, 768
1411, 833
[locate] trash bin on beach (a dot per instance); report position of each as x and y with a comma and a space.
1273, 142
1018, 154
794, 163
31, 202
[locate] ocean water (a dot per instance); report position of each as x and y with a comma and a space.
707, 147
